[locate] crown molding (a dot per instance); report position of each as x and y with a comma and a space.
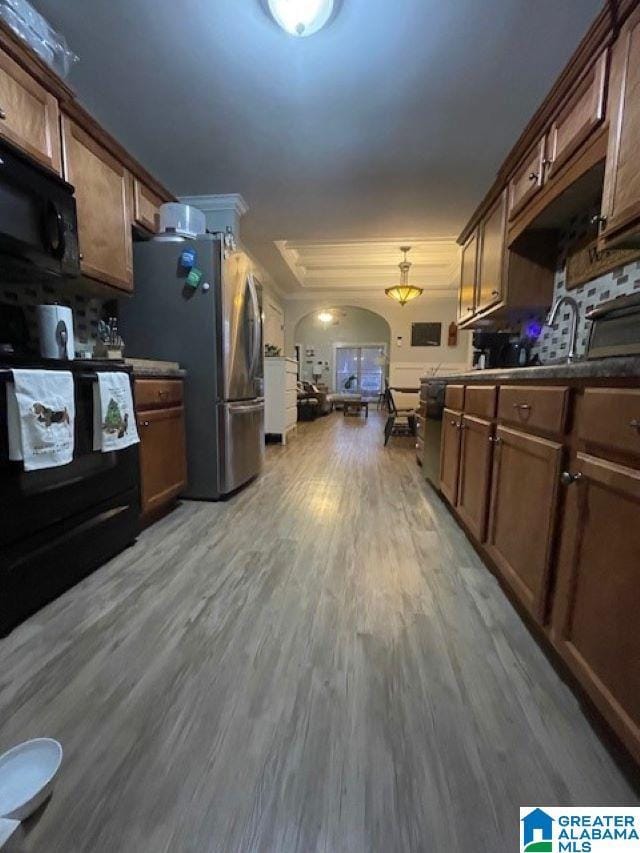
216, 203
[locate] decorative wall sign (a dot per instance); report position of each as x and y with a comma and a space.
426, 334
586, 262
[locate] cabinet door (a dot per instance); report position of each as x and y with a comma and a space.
621, 197
582, 114
468, 277
163, 467
524, 496
146, 207
491, 266
527, 180
475, 468
102, 190
29, 116
597, 600
450, 454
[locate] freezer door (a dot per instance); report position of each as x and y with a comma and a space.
241, 430
241, 329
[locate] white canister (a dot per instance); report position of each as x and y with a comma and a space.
55, 328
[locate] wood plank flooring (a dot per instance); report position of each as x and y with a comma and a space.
320, 664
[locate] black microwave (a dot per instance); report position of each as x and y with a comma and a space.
38, 225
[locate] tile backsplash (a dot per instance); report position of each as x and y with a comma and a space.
87, 310
553, 343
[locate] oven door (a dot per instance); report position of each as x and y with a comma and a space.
32, 501
38, 227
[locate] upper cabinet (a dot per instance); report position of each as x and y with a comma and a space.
29, 116
468, 278
492, 258
621, 198
102, 187
146, 207
114, 194
528, 179
576, 121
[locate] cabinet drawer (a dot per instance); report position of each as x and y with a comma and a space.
610, 417
527, 181
454, 397
291, 381
291, 398
480, 400
291, 415
534, 407
155, 393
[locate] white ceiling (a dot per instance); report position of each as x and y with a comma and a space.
389, 123
354, 266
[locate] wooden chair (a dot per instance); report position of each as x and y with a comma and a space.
407, 416
382, 396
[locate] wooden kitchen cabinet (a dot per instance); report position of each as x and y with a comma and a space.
450, 454
621, 196
524, 497
468, 278
146, 207
102, 192
576, 121
491, 262
597, 598
527, 179
161, 426
476, 451
29, 116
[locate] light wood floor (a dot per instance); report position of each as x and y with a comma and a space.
321, 663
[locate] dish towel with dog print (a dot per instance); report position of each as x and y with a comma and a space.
41, 417
114, 421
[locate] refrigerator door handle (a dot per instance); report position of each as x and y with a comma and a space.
255, 346
244, 408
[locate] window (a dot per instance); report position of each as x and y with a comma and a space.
360, 370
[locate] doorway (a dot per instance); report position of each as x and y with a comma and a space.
360, 369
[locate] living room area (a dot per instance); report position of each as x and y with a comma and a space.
343, 361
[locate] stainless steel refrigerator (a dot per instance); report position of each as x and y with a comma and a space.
215, 331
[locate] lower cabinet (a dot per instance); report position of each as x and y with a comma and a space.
450, 454
597, 599
524, 498
475, 472
161, 426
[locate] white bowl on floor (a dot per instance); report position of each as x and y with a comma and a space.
26, 776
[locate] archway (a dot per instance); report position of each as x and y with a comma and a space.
345, 348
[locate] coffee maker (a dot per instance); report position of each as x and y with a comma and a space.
500, 349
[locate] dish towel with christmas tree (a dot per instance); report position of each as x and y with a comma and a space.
40, 418
114, 420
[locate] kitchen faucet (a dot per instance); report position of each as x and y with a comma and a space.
573, 331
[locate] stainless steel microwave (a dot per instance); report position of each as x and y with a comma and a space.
38, 225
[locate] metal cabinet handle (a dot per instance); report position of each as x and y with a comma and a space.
469, 309
635, 424
599, 220
495, 293
81, 256
547, 162
454, 423
568, 479
144, 423
3, 114
494, 439
533, 176
522, 406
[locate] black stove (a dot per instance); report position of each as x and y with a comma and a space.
60, 524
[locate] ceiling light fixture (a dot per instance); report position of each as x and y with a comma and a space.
325, 317
301, 18
404, 292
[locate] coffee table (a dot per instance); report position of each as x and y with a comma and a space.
357, 405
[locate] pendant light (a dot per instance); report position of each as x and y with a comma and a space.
301, 18
404, 292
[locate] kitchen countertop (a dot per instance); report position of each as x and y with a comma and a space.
600, 368
146, 368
